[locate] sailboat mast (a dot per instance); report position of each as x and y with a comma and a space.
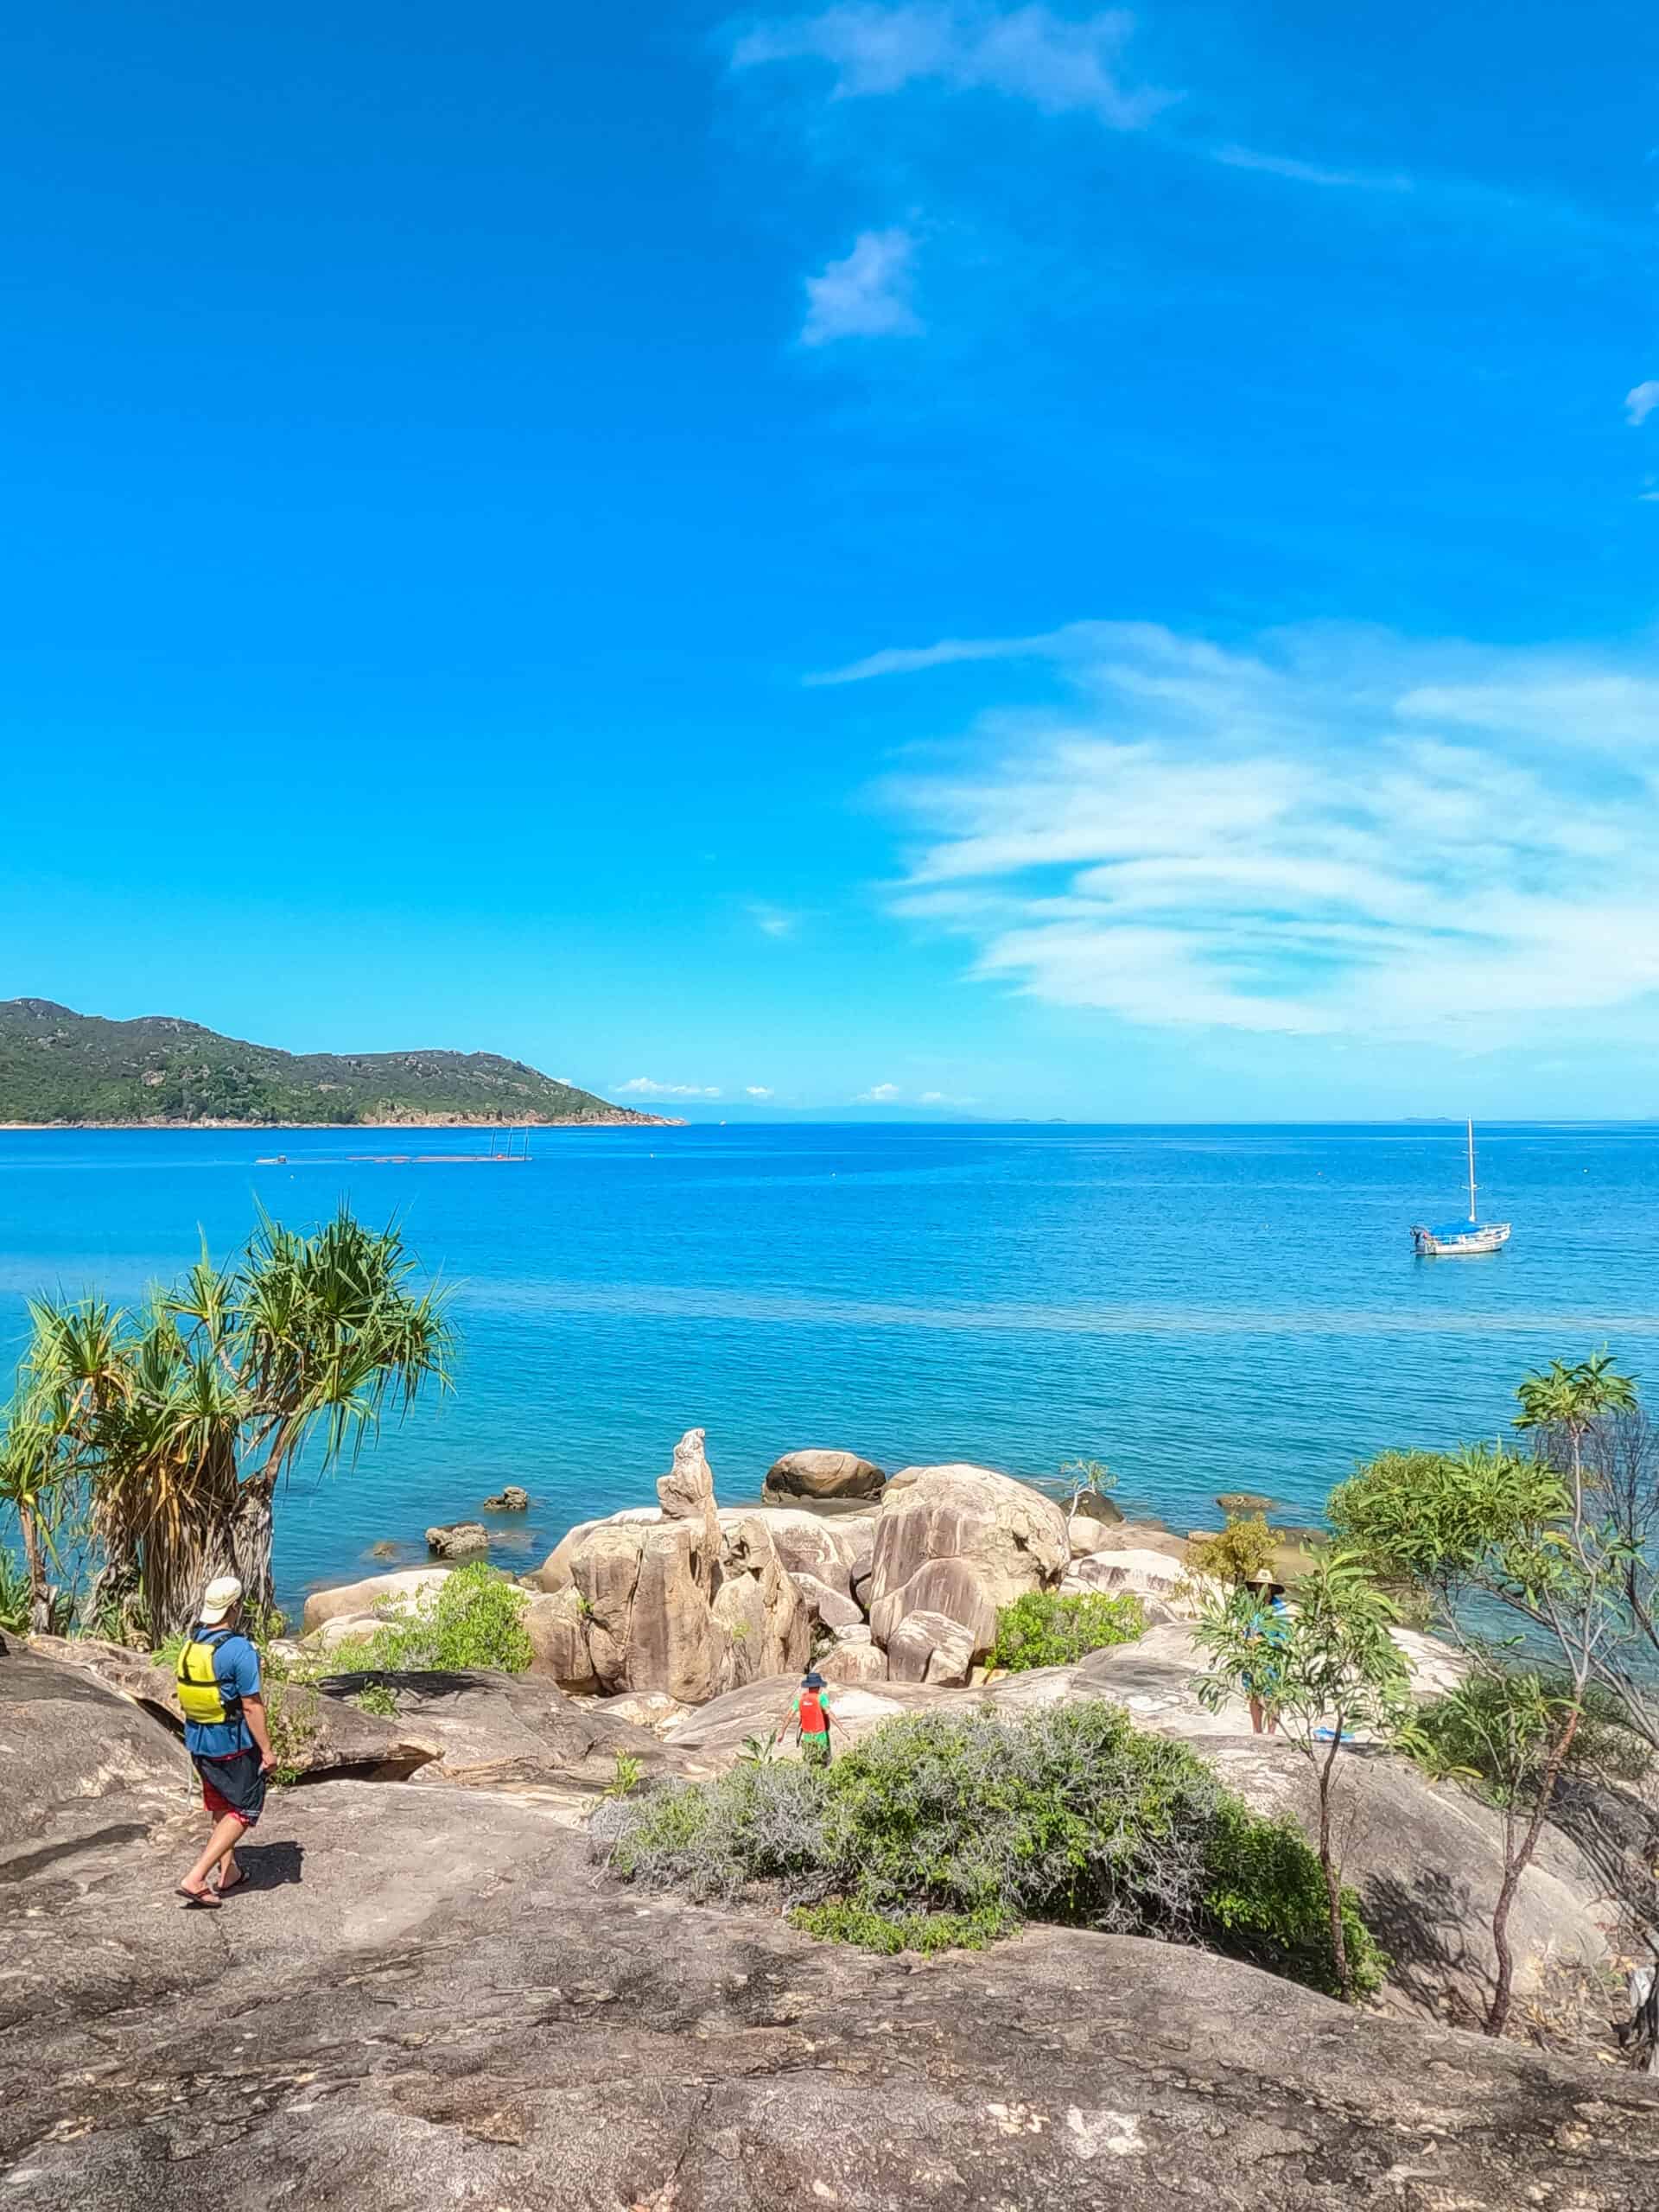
1471, 1170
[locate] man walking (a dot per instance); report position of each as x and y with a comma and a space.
225, 1735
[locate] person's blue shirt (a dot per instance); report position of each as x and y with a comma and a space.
236, 1667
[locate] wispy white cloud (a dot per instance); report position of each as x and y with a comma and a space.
909, 660
756, 1091
1245, 157
879, 1094
1640, 402
1059, 65
772, 921
865, 296
645, 1086
1337, 832
941, 1098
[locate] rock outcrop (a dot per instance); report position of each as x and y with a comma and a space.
821, 1475
680, 1598
961, 1540
357, 1599
512, 1499
767, 1628
427, 1996
487, 1730
931, 1648
686, 1492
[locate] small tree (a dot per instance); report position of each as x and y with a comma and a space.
182, 1419
1086, 1479
1485, 1524
1335, 1669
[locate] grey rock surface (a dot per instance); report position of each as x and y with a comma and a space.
429, 1997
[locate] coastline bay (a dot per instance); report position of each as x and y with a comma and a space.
1208, 1309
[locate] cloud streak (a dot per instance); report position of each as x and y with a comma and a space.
1640, 402
865, 296
1336, 833
646, 1086
1028, 54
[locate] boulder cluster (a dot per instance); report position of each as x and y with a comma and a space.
890, 1578
880, 1577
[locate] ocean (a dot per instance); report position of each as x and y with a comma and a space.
1207, 1309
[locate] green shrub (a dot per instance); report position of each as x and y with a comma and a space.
840, 1923
377, 1697
1495, 1730
1042, 1628
1067, 1814
1235, 1553
1267, 1895
473, 1618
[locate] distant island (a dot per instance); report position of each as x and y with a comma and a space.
58, 1069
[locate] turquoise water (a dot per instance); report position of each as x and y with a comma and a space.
1207, 1309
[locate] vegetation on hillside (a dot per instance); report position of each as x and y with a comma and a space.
56, 1066
1066, 1815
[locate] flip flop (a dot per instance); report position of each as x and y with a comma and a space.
223, 1889
199, 1900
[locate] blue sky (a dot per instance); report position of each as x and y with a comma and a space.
931, 558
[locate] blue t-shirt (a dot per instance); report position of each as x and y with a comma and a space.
236, 1667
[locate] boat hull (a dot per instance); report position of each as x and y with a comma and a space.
1468, 1246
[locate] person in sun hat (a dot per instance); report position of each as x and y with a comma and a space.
225, 1734
1271, 1627
813, 1718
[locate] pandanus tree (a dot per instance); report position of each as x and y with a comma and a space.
183, 1419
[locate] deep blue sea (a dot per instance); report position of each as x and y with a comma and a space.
1207, 1309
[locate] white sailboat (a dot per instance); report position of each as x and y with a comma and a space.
1458, 1240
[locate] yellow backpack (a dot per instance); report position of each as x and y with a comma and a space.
202, 1697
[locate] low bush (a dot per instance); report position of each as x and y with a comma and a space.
1043, 1629
1067, 1814
840, 1923
473, 1618
1235, 1553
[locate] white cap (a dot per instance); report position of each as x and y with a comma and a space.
221, 1593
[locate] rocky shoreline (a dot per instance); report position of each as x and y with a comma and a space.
430, 1992
622, 1118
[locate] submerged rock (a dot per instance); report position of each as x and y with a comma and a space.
510, 1500
458, 1540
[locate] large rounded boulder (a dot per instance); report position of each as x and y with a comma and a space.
821, 1475
964, 1541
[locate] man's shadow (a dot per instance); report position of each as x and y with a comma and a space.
267, 1865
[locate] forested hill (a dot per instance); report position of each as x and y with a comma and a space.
56, 1066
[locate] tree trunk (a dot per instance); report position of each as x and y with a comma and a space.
249, 1539
40, 1593
1333, 1888
1498, 2016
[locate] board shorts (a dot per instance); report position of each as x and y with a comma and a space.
234, 1784
815, 1750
